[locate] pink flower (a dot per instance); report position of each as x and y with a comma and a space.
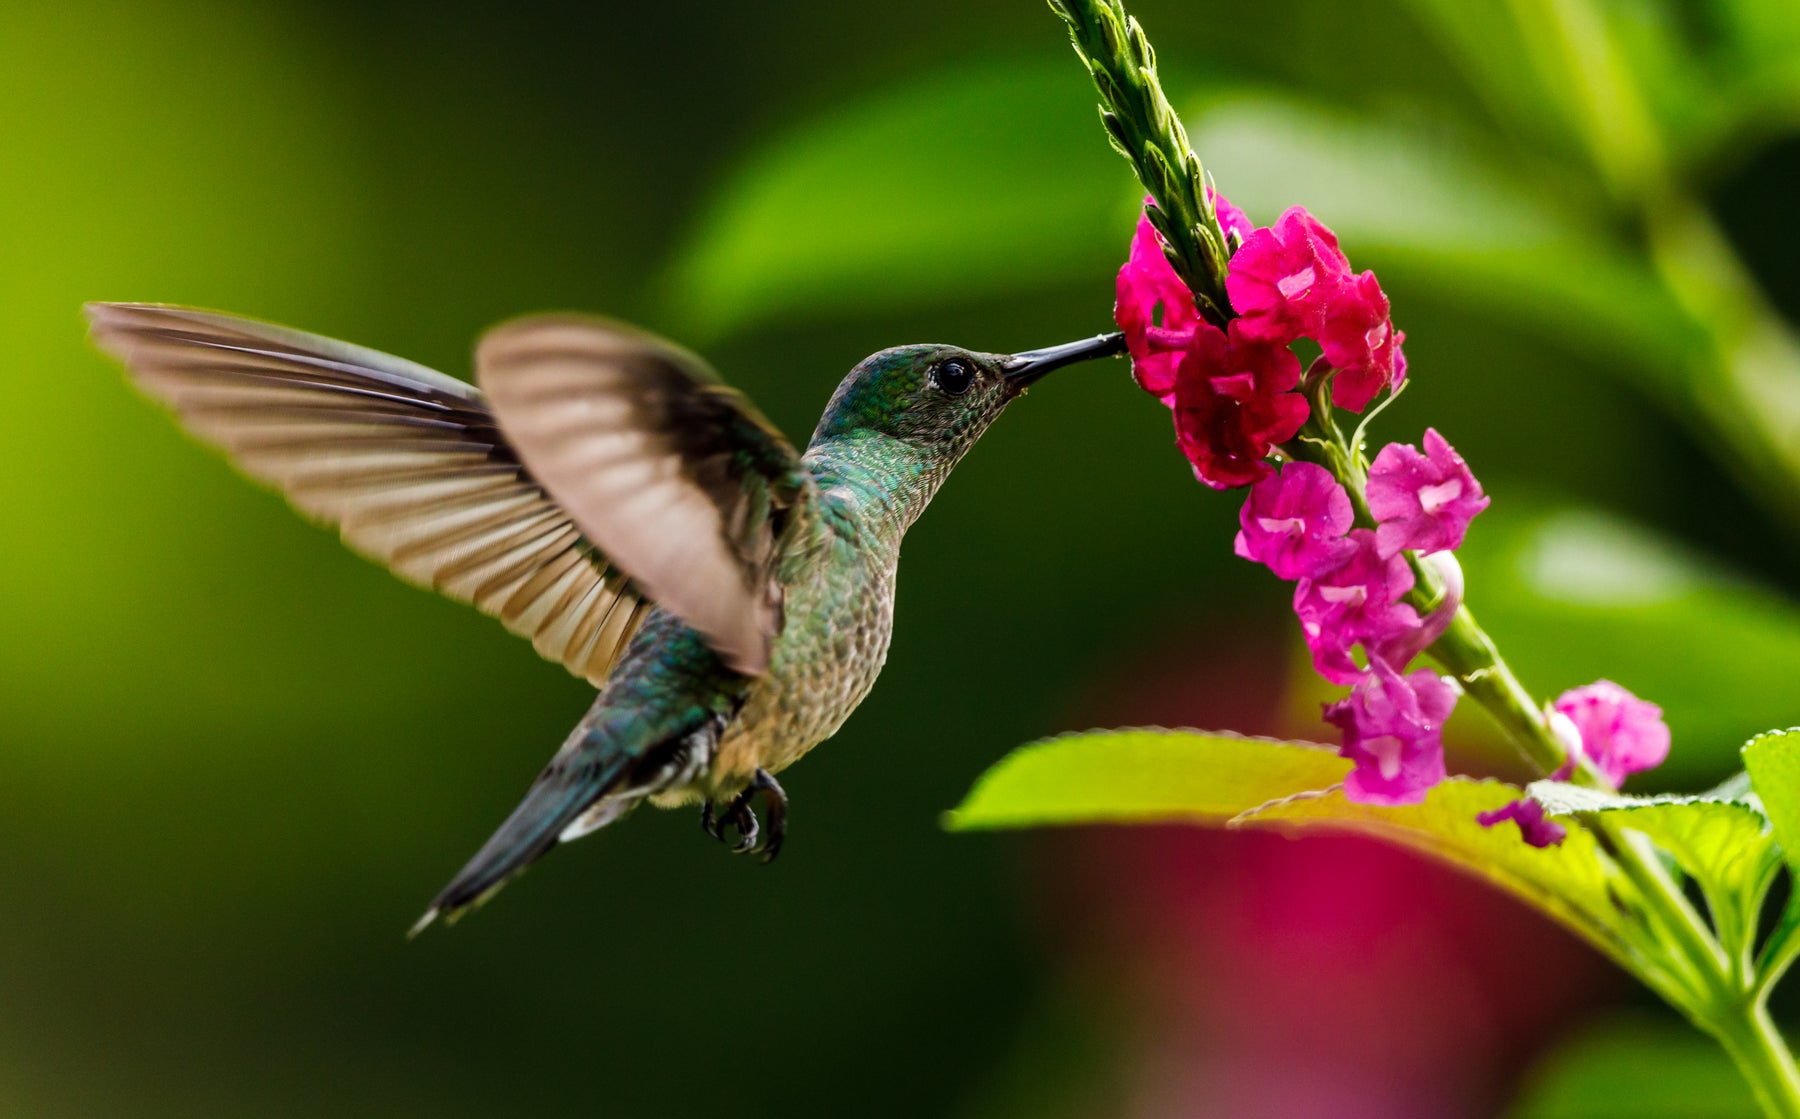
1393, 730
1232, 405
1283, 278
1360, 342
1422, 501
1147, 282
1534, 827
1356, 602
1231, 219
1295, 521
1620, 733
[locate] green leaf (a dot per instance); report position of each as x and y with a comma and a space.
1760, 61
1723, 843
1574, 882
1633, 1069
1573, 595
1773, 762
966, 182
1142, 776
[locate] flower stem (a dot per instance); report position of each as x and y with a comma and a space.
1762, 1056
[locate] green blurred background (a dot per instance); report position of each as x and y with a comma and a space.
235, 761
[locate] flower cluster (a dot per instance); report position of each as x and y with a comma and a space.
1231, 385
1232, 388
1349, 586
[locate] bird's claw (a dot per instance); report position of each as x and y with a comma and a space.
742, 817
739, 816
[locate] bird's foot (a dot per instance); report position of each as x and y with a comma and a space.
739, 816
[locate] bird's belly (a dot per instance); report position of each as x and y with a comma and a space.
823, 664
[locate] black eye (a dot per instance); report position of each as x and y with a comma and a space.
953, 376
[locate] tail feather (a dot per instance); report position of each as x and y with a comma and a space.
608, 763
558, 799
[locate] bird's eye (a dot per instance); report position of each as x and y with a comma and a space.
953, 376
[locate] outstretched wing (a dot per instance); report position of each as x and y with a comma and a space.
673, 474
407, 463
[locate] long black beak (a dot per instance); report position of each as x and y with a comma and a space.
1023, 369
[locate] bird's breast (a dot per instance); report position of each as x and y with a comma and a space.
839, 617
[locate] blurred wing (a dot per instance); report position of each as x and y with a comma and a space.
407, 463
674, 475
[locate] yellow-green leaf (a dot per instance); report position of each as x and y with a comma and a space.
1773, 761
1142, 776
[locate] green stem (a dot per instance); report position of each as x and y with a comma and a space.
1762, 1056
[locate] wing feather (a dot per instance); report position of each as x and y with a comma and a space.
674, 475
408, 464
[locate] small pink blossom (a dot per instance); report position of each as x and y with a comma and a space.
1361, 343
1358, 601
1294, 522
1535, 828
1284, 277
1393, 731
1148, 282
1231, 219
1423, 502
1620, 733
1233, 403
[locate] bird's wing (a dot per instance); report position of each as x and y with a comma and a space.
407, 463
670, 472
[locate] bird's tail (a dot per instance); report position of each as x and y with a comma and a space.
579, 791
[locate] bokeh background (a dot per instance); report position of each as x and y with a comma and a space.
235, 760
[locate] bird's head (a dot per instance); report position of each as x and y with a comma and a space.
939, 399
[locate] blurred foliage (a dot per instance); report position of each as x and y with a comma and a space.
1636, 1069
234, 759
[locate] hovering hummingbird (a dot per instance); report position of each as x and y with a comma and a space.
604, 494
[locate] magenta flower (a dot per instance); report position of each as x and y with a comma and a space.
1358, 601
1294, 522
1360, 342
1620, 733
1148, 282
1403, 646
1231, 219
1423, 502
1534, 827
1283, 278
1233, 403
1393, 731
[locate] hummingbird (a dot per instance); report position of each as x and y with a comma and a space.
603, 493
